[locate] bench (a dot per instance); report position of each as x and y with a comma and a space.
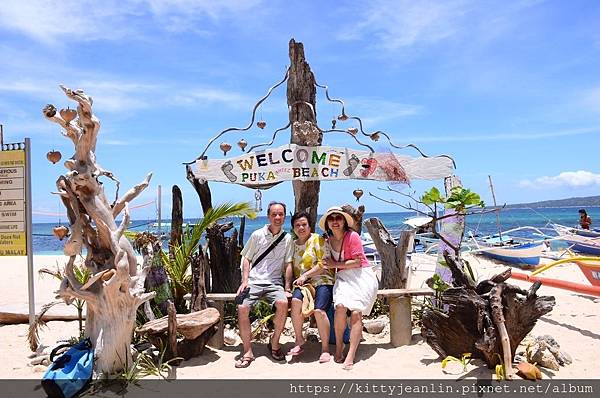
398, 299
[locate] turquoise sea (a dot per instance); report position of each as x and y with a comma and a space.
45, 243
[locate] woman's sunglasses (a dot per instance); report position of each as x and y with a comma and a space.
334, 217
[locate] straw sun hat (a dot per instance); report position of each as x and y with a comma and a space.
332, 210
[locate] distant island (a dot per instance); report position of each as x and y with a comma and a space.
588, 201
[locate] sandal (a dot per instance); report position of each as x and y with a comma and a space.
297, 350
244, 362
275, 354
325, 357
338, 359
348, 366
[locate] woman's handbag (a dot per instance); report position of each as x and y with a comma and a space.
70, 372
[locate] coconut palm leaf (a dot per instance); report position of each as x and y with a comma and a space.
177, 265
33, 335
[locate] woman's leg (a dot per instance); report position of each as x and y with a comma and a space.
323, 300
323, 326
339, 323
297, 320
355, 335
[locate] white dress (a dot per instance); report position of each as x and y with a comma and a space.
355, 288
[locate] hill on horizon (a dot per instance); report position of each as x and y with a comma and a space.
586, 201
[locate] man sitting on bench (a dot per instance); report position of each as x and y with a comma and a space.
265, 257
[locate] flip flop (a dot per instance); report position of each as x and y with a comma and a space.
325, 357
244, 362
348, 366
338, 360
275, 354
297, 350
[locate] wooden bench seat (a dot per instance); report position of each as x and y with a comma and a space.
400, 313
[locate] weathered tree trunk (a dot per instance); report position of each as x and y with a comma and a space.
479, 316
224, 251
200, 268
224, 258
171, 332
357, 216
301, 96
394, 272
176, 219
112, 295
201, 187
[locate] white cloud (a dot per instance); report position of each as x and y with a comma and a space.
82, 20
574, 179
521, 136
402, 24
376, 111
591, 99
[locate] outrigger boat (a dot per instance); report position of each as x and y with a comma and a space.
579, 240
589, 265
513, 250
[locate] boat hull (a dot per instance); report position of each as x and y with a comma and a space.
585, 248
591, 271
526, 255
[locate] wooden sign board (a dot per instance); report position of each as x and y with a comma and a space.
322, 163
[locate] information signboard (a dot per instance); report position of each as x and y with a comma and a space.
12, 203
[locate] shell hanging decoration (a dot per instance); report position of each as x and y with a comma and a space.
60, 232
353, 130
343, 117
225, 147
357, 194
375, 137
68, 114
242, 144
261, 124
258, 199
53, 156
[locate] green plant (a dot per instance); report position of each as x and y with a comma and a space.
82, 274
178, 264
464, 360
380, 307
264, 313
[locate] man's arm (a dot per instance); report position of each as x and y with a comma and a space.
289, 275
245, 272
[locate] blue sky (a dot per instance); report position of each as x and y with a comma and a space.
509, 89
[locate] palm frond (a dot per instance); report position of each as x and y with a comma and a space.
33, 335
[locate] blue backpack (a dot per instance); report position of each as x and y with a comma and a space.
70, 372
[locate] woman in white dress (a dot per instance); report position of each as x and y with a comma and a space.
356, 284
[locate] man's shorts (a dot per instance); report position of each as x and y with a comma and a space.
268, 292
323, 299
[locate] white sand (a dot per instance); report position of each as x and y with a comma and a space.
574, 323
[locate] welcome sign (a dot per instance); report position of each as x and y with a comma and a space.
323, 163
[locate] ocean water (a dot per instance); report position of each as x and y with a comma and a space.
45, 243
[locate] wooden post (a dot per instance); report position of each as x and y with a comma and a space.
218, 339
301, 95
176, 218
171, 332
400, 311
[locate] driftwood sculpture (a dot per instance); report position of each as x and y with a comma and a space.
489, 319
114, 292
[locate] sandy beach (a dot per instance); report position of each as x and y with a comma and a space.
574, 323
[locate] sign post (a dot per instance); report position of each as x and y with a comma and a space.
15, 208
